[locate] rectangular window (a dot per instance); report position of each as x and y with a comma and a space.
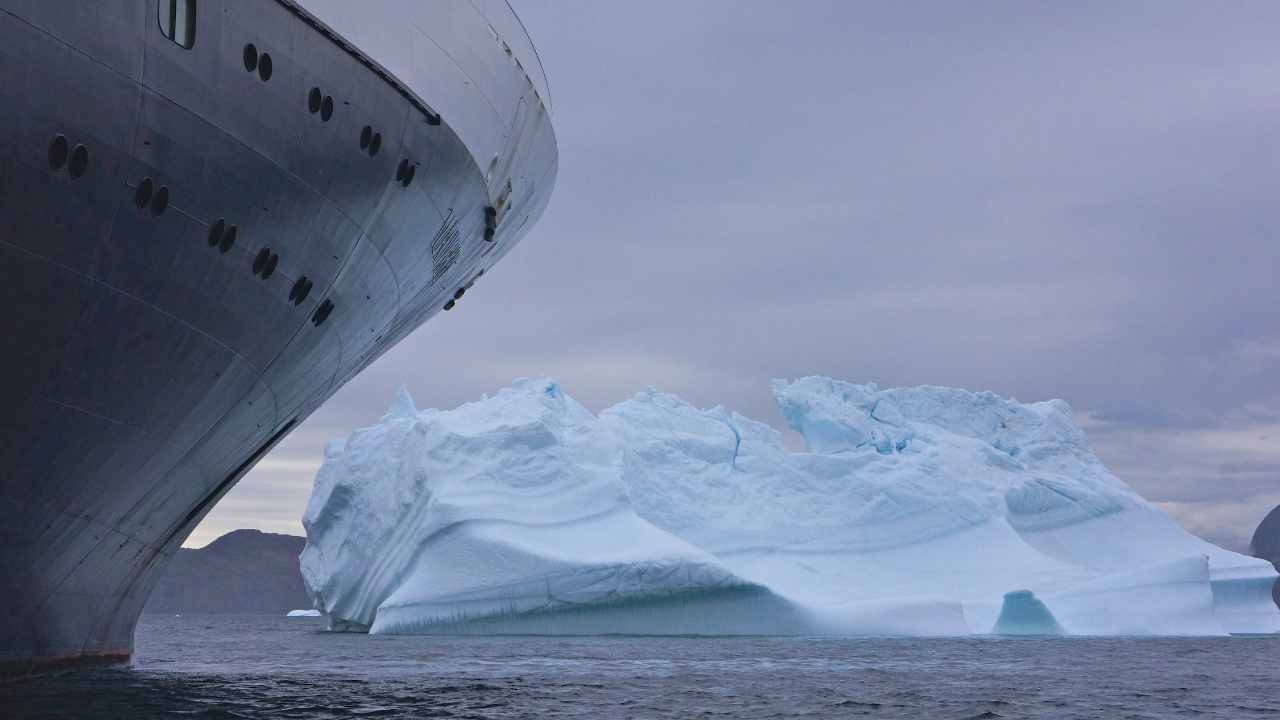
178, 21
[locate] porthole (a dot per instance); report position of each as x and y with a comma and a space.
160, 202
250, 57
490, 222
314, 100
79, 161
271, 266
405, 172
142, 196
457, 294
58, 152
228, 239
326, 109
260, 260
264, 66
321, 313
215, 232
366, 136
375, 144
301, 288
449, 305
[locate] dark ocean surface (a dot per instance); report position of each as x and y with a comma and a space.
266, 667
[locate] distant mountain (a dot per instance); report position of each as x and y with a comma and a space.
244, 571
1266, 545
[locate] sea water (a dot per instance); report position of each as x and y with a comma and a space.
217, 666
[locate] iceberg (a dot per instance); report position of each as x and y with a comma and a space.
912, 511
303, 613
507, 515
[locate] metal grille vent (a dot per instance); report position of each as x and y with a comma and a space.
445, 247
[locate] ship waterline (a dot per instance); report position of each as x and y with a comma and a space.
213, 215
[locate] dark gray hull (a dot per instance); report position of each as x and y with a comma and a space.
148, 362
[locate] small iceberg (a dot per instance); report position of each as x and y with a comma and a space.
303, 613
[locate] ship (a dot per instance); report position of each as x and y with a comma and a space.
214, 214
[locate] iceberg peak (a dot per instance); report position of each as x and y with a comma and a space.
835, 416
536, 385
402, 407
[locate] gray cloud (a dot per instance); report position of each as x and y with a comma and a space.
1044, 200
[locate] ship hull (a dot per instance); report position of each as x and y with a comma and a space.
194, 255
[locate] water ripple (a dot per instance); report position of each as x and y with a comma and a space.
267, 667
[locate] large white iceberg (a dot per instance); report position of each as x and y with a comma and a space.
915, 511
507, 515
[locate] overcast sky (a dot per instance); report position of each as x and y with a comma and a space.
1071, 200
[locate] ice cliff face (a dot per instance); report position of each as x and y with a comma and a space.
506, 514
915, 511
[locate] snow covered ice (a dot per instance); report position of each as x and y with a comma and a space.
507, 515
925, 511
